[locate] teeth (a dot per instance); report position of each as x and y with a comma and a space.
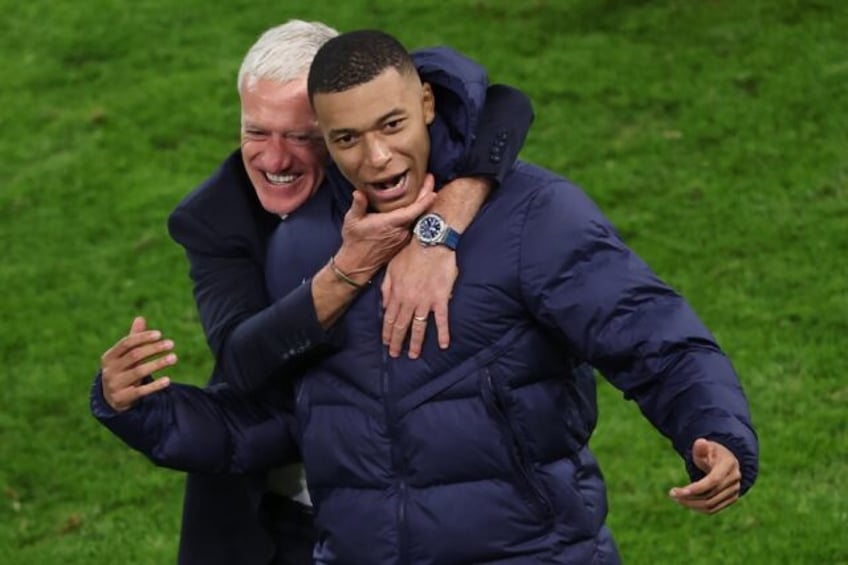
391, 183
280, 179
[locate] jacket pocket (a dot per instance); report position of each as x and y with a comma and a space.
496, 400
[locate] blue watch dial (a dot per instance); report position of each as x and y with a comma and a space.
430, 229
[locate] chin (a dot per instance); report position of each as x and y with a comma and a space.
393, 205
282, 205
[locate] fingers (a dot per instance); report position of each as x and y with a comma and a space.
440, 315
117, 377
428, 187
702, 454
150, 388
138, 325
358, 208
713, 503
416, 334
386, 288
126, 398
128, 343
133, 358
138, 372
126, 349
392, 308
123, 389
406, 215
400, 327
719, 488
401, 218
420, 282
721, 476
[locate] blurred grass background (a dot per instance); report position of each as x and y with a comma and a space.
714, 134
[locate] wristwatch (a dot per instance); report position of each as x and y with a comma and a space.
431, 229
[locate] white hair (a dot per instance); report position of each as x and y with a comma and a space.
283, 53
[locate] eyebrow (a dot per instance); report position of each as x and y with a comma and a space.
393, 113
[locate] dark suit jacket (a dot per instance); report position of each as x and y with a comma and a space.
224, 231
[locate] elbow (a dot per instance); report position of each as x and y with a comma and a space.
230, 366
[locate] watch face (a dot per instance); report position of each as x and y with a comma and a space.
430, 228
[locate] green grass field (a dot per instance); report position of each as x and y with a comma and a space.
713, 133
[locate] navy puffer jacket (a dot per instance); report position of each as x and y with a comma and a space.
478, 453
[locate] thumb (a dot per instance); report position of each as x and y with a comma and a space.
386, 288
359, 206
138, 325
426, 194
426, 197
701, 454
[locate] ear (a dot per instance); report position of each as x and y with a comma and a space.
428, 102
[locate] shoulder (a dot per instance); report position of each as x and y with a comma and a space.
313, 226
226, 185
541, 206
223, 207
549, 194
533, 187
225, 199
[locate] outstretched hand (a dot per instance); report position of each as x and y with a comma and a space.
125, 365
719, 488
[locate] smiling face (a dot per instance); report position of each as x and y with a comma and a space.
377, 134
281, 146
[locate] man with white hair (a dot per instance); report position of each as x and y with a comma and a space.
224, 226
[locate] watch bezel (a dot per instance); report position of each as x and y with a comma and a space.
440, 233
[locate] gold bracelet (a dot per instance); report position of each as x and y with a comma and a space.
343, 277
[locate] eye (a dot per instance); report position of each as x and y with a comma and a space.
299, 138
393, 125
254, 133
344, 139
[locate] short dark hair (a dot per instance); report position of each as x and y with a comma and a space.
354, 58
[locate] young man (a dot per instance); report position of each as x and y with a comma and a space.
224, 226
477, 453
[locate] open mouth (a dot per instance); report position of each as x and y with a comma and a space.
390, 183
281, 178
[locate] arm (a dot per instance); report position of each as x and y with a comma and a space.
256, 337
612, 311
368, 242
183, 427
419, 280
226, 256
224, 231
209, 430
307, 258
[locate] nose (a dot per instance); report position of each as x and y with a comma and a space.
377, 153
276, 155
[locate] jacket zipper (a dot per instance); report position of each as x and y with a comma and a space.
532, 486
393, 428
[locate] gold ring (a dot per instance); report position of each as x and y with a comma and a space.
420, 318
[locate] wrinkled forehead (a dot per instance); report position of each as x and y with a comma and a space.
269, 103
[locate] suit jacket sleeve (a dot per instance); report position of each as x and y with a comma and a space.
613, 312
504, 123
224, 232
481, 126
210, 430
